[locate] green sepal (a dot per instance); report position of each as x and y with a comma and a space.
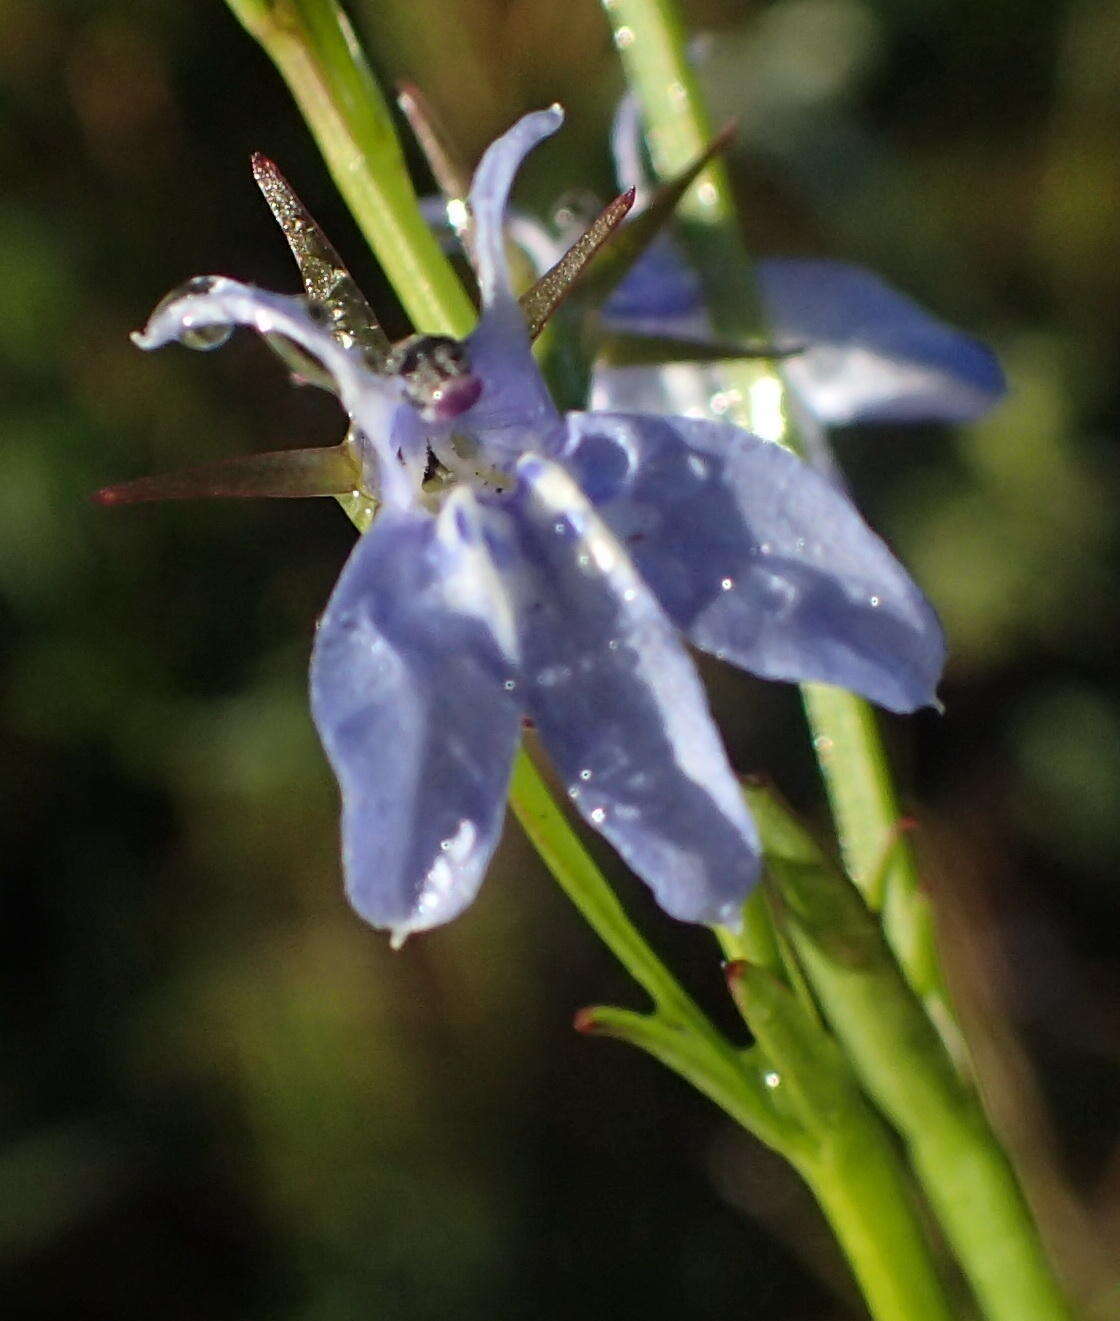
288, 474
808, 1066
632, 241
615, 349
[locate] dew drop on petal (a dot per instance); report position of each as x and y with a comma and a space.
873, 601
772, 1079
204, 337
585, 775
726, 584
598, 815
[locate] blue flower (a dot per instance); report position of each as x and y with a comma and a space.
868, 353
547, 570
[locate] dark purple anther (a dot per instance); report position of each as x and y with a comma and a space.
437, 377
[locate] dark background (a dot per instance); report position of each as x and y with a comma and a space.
221, 1095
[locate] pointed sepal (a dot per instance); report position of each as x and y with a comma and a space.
285, 473
634, 240
539, 302
325, 277
621, 350
451, 175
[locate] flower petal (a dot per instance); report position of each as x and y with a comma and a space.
490, 193
761, 560
408, 693
873, 354
620, 708
515, 412
209, 305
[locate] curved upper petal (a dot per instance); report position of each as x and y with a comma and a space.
620, 707
209, 305
411, 694
759, 558
872, 354
490, 193
514, 412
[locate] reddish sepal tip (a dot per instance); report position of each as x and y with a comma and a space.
733, 970
585, 1022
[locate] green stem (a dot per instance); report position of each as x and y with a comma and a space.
316, 51
677, 1033
860, 1187
856, 1171
876, 853
651, 40
903, 1067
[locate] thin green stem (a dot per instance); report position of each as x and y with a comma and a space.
678, 1033
861, 1187
317, 53
856, 1171
902, 1065
651, 41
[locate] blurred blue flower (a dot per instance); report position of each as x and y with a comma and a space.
867, 352
545, 571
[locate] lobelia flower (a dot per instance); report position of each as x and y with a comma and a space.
548, 570
865, 352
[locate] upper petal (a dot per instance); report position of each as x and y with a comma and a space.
198, 313
490, 193
759, 558
408, 692
620, 708
872, 355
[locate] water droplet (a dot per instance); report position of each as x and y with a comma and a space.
772, 1079
624, 37
707, 194
629, 594
510, 685
598, 815
613, 644
764, 548
585, 774
822, 744
799, 544
583, 559
204, 337
697, 466
573, 792
873, 601
727, 583
559, 527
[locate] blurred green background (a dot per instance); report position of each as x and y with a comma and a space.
222, 1096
